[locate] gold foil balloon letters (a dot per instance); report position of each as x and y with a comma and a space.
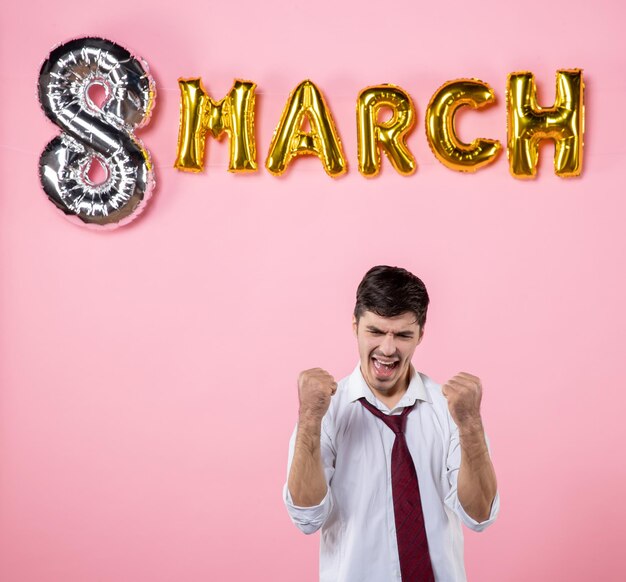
306, 127
233, 116
441, 131
528, 124
322, 140
390, 135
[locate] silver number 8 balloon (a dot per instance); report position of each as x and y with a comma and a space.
92, 131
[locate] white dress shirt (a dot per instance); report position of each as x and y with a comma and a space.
358, 541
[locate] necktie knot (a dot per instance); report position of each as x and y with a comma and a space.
396, 422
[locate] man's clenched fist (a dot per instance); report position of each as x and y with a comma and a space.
464, 393
315, 388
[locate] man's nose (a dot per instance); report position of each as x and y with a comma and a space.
388, 347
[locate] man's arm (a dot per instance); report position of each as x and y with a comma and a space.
476, 485
306, 481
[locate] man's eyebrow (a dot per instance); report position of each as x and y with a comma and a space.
406, 333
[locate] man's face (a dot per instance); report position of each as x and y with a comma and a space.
386, 346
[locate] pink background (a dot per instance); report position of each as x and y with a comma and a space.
148, 374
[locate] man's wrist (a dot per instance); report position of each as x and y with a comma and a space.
472, 428
473, 442
309, 420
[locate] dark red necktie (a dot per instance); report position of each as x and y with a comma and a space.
415, 563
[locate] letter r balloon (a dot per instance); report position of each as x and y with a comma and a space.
390, 135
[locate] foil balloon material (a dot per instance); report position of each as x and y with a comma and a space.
389, 135
528, 124
441, 131
232, 116
92, 131
306, 103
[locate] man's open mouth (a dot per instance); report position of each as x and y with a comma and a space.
384, 367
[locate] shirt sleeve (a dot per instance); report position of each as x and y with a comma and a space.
452, 499
310, 519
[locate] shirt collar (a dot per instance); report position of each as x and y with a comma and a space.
358, 388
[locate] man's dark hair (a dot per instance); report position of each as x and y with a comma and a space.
391, 291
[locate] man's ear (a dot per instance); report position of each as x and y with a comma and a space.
354, 324
421, 335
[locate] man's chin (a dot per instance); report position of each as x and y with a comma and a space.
382, 385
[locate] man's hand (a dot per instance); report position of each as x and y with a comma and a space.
464, 393
315, 388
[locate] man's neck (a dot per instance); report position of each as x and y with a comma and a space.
391, 400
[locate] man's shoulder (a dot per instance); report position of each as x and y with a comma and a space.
345, 390
439, 403
433, 388
348, 391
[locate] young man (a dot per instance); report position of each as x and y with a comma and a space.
387, 462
